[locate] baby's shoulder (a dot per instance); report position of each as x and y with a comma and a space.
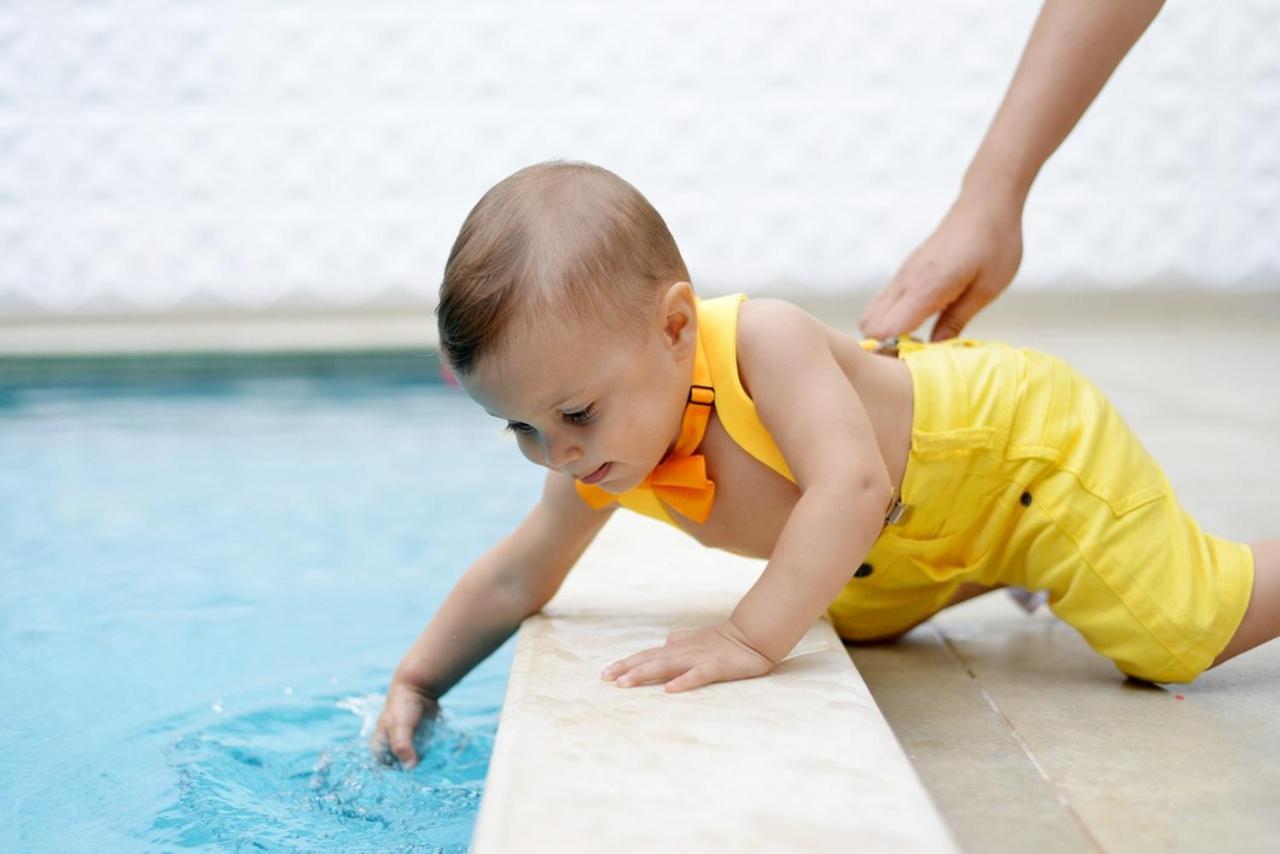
763, 323
776, 336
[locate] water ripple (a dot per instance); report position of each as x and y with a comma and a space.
284, 777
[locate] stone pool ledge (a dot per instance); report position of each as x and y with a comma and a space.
800, 760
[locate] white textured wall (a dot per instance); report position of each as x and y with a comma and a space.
191, 154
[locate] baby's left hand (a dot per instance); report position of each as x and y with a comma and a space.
691, 659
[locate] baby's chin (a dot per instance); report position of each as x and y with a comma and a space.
619, 482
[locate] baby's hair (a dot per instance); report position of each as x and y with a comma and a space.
555, 240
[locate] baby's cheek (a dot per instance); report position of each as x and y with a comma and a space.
530, 449
658, 438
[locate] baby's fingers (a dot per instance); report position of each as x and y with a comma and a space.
402, 745
694, 677
378, 744
656, 670
620, 667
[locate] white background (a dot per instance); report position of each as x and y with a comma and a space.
195, 155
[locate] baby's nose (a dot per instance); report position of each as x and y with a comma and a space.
561, 454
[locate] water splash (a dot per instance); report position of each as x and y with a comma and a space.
301, 775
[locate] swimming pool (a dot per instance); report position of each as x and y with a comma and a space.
205, 587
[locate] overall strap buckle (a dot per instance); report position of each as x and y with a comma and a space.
702, 395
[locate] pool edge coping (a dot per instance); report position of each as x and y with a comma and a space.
581, 765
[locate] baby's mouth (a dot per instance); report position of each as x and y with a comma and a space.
597, 475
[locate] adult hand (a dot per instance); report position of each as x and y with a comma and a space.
691, 659
966, 263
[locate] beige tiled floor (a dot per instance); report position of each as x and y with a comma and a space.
1026, 738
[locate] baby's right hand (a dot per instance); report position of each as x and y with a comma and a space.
404, 710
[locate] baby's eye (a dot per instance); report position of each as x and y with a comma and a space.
581, 416
518, 427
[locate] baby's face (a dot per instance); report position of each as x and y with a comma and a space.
585, 402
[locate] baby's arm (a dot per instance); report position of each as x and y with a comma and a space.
512, 580
817, 420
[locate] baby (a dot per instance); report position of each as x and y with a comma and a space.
883, 481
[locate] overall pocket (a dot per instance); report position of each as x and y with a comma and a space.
955, 503
1067, 424
956, 482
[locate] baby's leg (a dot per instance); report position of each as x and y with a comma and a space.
964, 592
1261, 620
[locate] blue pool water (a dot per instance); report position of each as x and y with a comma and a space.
203, 591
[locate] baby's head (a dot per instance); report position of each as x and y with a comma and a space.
566, 311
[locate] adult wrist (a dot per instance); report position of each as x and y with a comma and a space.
997, 185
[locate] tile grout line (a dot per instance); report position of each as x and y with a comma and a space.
1058, 794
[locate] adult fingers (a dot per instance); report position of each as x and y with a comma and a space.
956, 316
872, 322
919, 299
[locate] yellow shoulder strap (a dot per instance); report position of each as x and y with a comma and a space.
718, 321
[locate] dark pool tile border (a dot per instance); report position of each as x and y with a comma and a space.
135, 369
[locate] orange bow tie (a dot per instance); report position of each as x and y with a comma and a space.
680, 480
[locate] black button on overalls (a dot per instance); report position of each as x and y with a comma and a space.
863, 571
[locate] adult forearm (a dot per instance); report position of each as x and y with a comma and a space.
1072, 51
829, 531
475, 619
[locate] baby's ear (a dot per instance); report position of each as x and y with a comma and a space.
679, 314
